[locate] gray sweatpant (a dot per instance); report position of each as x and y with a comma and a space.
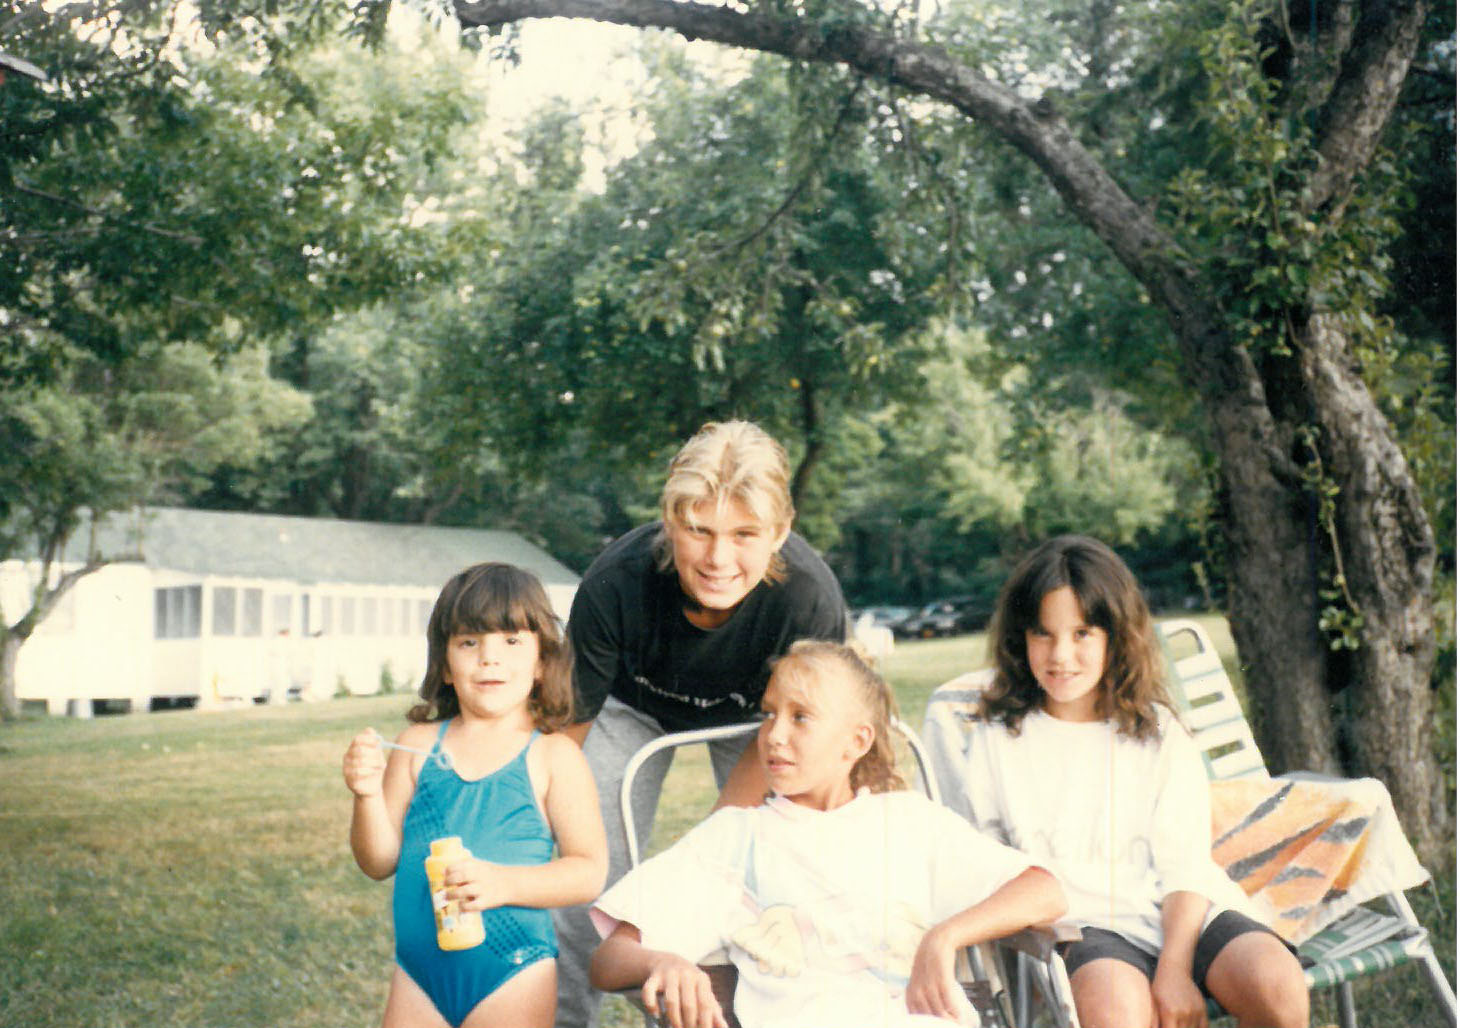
616, 735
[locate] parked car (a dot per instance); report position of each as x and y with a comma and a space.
884, 616
948, 616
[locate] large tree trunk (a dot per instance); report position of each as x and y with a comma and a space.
1387, 548
1383, 536
9, 654
1272, 601
1272, 575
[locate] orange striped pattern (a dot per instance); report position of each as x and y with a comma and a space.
1294, 847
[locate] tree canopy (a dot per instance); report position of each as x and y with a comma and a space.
1163, 271
172, 205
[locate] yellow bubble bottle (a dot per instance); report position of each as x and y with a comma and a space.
455, 928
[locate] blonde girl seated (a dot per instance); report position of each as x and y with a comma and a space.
497, 682
842, 899
1078, 760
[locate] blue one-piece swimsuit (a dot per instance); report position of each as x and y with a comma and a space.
498, 819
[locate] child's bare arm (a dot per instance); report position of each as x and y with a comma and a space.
382, 790
576, 874
1178, 1000
671, 985
1032, 897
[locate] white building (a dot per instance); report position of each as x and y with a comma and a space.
225, 608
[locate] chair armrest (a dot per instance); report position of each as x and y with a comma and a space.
1005, 971
1038, 943
723, 978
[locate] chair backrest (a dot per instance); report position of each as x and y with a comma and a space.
723, 977
1207, 702
674, 740
1200, 689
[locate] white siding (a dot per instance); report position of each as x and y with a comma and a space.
96, 645
132, 633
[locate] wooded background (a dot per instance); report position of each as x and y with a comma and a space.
1179, 274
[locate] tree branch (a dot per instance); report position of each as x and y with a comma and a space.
184, 237
13, 25
813, 167
1033, 128
811, 432
1352, 119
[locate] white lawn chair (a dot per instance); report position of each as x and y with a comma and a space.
1029, 960
980, 981
1359, 943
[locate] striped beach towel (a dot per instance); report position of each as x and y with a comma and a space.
1309, 850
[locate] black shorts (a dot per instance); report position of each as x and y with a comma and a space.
1099, 944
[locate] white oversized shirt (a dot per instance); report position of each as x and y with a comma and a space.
821, 911
1122, 823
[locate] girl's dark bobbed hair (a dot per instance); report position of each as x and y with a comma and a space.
497, 598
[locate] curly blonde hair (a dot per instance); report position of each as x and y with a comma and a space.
1134, 681
497, 598
825, 663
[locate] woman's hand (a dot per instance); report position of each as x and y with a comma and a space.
680, 992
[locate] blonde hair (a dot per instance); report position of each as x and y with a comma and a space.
722, 462
497, 598
1133, 684
817, 661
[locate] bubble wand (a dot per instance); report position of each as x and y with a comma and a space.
436, 753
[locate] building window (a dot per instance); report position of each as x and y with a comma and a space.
281, 618
369, 611
387, 617
423, 614
178, 612
253, 612
405, 617
326, 615
347, 615
192, 611
225, 613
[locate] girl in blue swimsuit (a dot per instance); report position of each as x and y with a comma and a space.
480, 760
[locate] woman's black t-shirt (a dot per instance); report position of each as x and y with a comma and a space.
631, 639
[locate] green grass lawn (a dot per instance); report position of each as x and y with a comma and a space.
188, 869
191, 869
